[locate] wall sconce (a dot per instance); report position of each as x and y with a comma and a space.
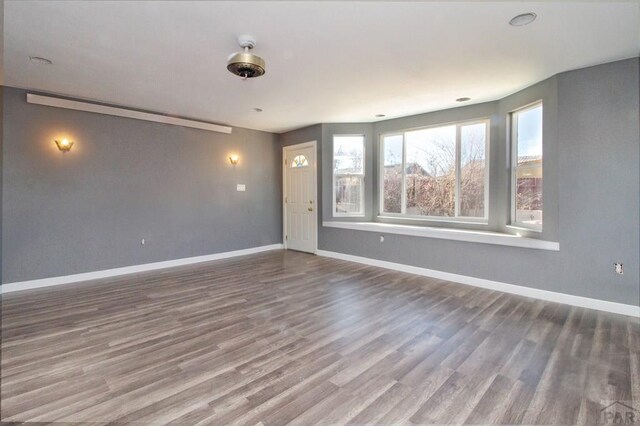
234, 159
64, 145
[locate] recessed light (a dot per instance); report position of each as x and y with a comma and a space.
257, 109
465, 99
40, 60
380, 115
523, 19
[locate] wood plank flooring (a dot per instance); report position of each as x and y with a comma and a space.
285, 337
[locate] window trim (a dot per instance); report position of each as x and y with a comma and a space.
513, 165
455, 219
361, 213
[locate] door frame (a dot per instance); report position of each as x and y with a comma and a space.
313, 144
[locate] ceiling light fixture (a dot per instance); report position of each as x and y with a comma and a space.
245, 64
39, 60
523, 19
465, 99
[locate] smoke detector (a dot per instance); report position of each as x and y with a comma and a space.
245, 64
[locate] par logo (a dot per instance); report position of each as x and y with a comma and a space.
619, 413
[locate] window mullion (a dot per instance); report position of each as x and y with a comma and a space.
362, 191
403, 207
380, 189
487, 168
514, 165
457, 171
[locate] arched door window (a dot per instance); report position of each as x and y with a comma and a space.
299, 161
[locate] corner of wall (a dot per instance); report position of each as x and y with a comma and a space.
1, 170
1, 122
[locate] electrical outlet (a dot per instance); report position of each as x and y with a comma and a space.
617, 267
241, 187
142, 242
382, 238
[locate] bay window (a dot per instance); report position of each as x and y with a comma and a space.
436, 173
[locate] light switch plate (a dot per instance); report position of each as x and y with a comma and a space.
241, 187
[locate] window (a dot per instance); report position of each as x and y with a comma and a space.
526, 169
437, 172
299, 161
348, 175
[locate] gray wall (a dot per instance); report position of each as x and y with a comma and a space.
599, 175
591, 187
1, 171
125, 180
1, 121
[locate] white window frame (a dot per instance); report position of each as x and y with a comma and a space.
361, 213
456, 219
513, 146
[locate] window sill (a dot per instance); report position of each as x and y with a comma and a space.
483, 237
524, 228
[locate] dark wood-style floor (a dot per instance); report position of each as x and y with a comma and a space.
284, 337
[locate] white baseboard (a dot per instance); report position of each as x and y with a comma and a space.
568, 299
107, 273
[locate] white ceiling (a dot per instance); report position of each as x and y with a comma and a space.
326, 61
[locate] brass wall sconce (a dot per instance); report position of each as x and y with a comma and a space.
234, 159
64, 145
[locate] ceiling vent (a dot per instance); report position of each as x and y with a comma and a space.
245, 64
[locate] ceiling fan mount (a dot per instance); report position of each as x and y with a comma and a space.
244, 63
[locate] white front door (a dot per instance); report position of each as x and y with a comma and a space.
299, 198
